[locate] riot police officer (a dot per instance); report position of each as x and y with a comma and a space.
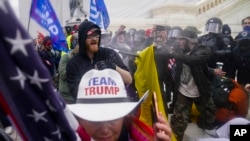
221, 45
241, 55
106, 37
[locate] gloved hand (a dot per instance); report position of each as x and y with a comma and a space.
105, 65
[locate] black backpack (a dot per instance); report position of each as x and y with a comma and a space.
220, 89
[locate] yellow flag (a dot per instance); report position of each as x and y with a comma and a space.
146, 78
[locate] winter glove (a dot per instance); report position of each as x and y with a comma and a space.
105, 65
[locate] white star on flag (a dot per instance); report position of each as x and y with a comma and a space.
18, 44
50, 106
57, 132
20, 77
38, 116
47, 139
26, 88
36, 80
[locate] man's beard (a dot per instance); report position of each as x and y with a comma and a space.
93, 49
186, 48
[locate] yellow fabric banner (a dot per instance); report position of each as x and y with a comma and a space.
146, 78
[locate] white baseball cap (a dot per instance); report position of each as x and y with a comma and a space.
102, 96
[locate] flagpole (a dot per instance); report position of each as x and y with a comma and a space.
29, 16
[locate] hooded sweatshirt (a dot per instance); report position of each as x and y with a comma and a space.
81, 63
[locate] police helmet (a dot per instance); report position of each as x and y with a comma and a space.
174, 32
213, 25
140, 35
132, 31
106, 33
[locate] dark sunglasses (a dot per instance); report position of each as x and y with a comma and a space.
92, 36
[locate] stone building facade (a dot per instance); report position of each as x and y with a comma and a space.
170, 13
231, 12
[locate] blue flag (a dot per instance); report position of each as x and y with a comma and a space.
27, 95
43, 13
99, 14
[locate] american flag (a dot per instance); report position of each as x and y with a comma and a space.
26, 92
171, 63
172, 67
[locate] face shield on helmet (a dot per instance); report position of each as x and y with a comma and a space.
106, 36
131, 31
139, 35
213, 25
213, 28
173, 34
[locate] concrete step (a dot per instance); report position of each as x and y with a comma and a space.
193, 132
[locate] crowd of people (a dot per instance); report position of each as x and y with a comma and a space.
96, 78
